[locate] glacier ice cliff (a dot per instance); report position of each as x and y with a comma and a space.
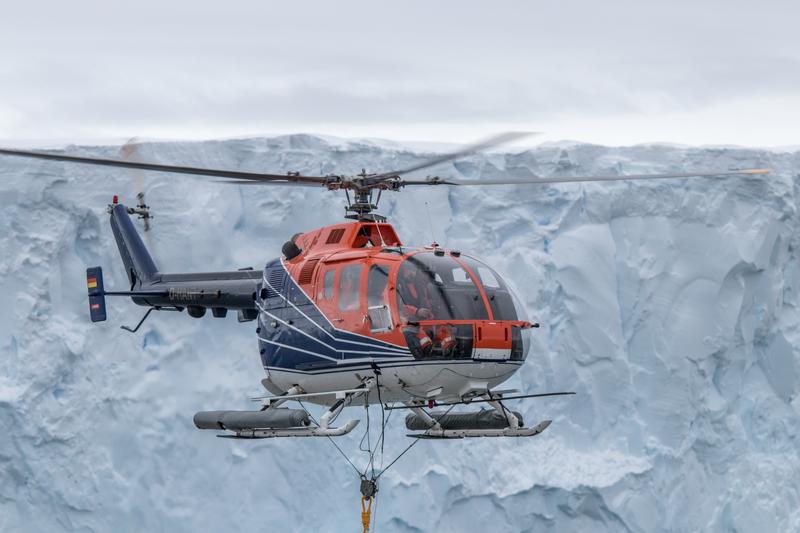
670, 307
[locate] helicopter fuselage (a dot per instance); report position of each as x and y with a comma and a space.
350, 302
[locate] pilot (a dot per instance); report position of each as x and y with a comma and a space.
416, 304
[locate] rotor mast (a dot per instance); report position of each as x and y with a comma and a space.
361, 207
363, 203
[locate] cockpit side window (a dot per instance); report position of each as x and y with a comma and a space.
349, 285
431, 287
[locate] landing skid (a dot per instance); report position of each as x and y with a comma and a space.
501, 423
293, 432
462, 433
274, 422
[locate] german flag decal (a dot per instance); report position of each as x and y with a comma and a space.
97, 299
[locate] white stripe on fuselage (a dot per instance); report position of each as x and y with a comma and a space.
387, 345
290, 326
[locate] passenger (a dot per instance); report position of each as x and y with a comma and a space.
419, 341
446, 339
425, 342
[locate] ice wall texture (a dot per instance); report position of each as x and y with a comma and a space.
670, 307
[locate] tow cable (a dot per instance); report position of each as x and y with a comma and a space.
369, 484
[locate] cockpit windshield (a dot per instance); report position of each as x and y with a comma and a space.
433, 288
436, 287
500, 296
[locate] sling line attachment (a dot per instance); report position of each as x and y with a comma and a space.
368, 489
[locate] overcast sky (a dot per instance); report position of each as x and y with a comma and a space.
694, 72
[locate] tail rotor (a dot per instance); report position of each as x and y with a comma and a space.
129, 152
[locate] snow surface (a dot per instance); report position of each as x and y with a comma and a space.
670, 307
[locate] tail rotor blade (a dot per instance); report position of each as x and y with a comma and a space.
130, 152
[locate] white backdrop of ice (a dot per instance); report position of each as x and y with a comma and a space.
670, 307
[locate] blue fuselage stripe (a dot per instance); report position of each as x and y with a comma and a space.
296, 335
352, 367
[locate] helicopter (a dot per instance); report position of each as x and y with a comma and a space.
349, 314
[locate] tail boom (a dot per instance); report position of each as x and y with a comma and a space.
196, 292
139, 266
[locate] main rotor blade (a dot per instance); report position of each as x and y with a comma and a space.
481, 146
230, 174
270, 183
570, 179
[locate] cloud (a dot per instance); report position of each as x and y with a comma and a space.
91, 69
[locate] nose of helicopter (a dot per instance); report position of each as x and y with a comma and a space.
457, 306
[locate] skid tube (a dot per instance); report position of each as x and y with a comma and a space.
462, 433
437, 427
323, 428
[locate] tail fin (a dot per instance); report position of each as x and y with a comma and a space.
97, 298
138, 263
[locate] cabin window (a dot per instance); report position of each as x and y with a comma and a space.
349, 282
377, 281
380, 317
327, 285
